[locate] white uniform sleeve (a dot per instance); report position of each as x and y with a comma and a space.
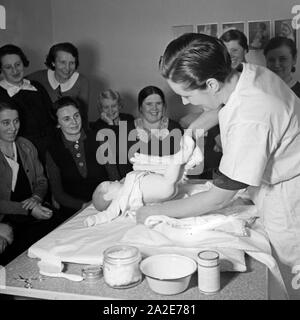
246, 152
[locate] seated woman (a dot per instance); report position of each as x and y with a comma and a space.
152, 132
281, 58
61, 77
23, 185
33, 101
144, 187
109, 107
72, 167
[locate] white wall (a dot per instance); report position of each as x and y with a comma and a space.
29, 25
120, 41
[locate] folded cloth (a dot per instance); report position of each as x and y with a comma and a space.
165, 238
188, 229
213, 230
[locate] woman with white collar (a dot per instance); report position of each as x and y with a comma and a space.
62, 78
31, 98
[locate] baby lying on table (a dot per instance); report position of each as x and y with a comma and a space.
144, 187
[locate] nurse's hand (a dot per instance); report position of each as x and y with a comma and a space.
144, 212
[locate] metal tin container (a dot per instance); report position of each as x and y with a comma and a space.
92, 273
208, 272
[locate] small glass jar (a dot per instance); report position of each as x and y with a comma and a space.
121, 266
208, 272
92, 273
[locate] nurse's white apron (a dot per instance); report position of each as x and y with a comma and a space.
279, 209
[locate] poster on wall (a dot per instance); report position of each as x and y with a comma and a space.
259, 33
211, 29
283, 28
2, 18
233, 26
180, 30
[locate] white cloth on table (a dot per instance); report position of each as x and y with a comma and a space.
73, 242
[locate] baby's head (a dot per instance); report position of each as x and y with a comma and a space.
105, 193
110, 189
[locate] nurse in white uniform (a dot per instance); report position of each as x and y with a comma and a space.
260, 133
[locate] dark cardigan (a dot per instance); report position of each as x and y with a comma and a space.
72, 182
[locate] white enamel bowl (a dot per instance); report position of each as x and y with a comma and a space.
168, 273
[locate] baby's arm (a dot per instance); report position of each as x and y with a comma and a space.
161, 187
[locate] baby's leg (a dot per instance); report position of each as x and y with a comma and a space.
175, 169
156, 187
181, 157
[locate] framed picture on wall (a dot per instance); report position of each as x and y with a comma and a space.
210, 29
180, 30
259, 33
283, 28
233, 26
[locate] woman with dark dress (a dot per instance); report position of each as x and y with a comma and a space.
73, 170
152, 132
110, 106
33, 101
